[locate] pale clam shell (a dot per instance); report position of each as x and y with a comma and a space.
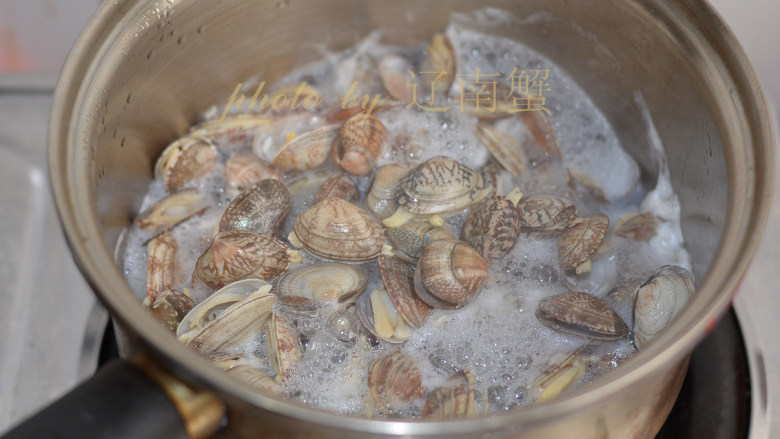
255, 378
442, 60
578, 243
659, 300
261, 208
505, 149
394, 378
338, 186
166, 213
583, 315
398, 278
454, 401
233, 132
441, 185
411, 238
380, 199
378, 315
161, 252
361, 142
245, 169
395, 73
321, 283
639, 227
284, 345
308, 150
337, 229
186, 159
492, 228
449, 274
560, 376
238, 254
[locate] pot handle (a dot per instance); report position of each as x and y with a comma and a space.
127, 400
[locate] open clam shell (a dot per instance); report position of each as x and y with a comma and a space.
442, 61
169, 307
337, 229
361, 143
560, 376
186, 159
393, 378
166, 213
453, 401
161, 252
578, 243
284, 345
245, 169
319, 284
398, 278
236, 324
261, 208
379, 316
255, 378
308, 150
410, 239
659, 300
397, 73
583, 315
238, 254
505, 149
380, 199
449, 274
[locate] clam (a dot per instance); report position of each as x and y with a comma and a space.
171, 210
261, 208
398, 78
410, 239
380, 199
229, 360
233, 131
583, 315
578, 243
505, 149
449, 274
637, 226
493, 226
238, 254
256, 379
454, 401
322, 283
337, 229
379, 316
441, 60
235, 325
308, 150
161, 252
169, 307
206, 311
439, 186
338, 186
365, 76
245, 169
659, 300
284, 345
544, 146
361, 143
394, 378
559, 377
546, 214
185, 160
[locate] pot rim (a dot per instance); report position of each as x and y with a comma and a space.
750, 175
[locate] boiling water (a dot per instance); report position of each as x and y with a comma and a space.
497, 336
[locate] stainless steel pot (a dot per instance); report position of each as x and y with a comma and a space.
143, 71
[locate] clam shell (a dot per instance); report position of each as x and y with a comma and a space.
233, 132
546, 214
559, 377
256, 379
492, 228
284, 345
185, 160
545, 142
322, 283
207, 310
639, 227
166, 213
449, 274
410, 239
395, 73
380, 199
505, 149
337, 229
362, 141
245, 169
440, 185
261, 208
441, 60
659, 300
399, 283
169, 307
379, 316
338, 186
161, 252
454, 401
578, 243
308, 150
236, 324
583, 315
237, 254
393, 378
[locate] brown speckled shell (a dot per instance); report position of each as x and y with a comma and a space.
308, 150
492, 228
362, 141
398, 278
410, 239
640, 228
581, 314
337, 229
546, 214
440, 185
245, 169
184, 160
578, 243
169, 307
449, 274
261, 208
393, 378
338, 186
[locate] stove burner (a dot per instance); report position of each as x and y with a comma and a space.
714, 401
